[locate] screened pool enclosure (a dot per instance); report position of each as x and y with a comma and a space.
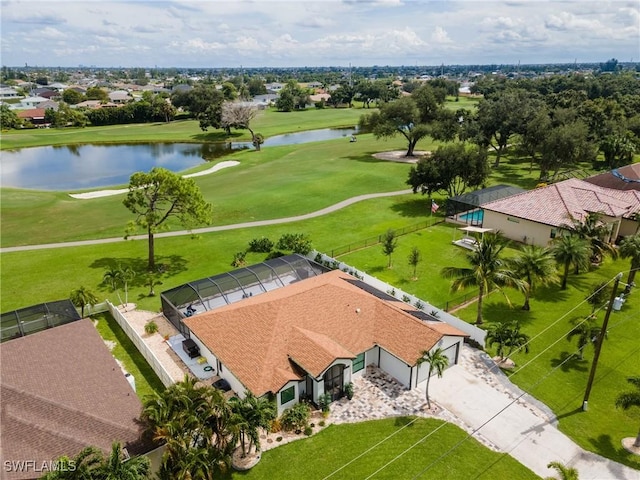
213, 292
36, 318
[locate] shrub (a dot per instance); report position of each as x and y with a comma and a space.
324, 401
295, 243
274, 254
308, 431
296, 417
239, 259
275, 426
348, 389
406, 299
392, 292
434, 313
150, 327
321, 423
279, 439
260, 245
419, 305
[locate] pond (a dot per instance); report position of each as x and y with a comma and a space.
79, 167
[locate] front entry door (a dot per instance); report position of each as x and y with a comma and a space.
334, 381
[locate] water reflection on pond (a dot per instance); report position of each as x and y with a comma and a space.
77, 167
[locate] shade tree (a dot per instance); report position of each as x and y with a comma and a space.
239, 115
629, 399
451, 169
389, 244
156, 196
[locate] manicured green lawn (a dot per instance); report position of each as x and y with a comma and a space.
602, 427
268, 123
274, 183
126, 352
324, 453
52, 273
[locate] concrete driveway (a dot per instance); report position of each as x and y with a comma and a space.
524, 429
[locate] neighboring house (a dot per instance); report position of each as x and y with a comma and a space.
265, 100
8, 92
119, 96
318, 97
62, 391
94, 104
315, 335
274, 87
49, 104
623, 178
537, 216
31, 102
182, 87
33, 115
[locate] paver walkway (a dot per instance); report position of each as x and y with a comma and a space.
525, 428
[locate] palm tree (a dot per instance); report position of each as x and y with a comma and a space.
113, 279
566, 473
127, 274
587, 332
487, 270
193, 423
250, 414
81, 297
596, 232
84, 466
437, 361
534, 264
116, 467
630, 399
570, 250
508, 337
630, 248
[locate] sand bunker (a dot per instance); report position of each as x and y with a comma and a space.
107, 193
400, 156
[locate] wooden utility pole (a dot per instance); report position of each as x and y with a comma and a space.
599, 342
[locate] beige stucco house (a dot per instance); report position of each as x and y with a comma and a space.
537, 216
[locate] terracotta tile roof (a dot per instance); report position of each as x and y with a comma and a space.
555, 204
61, 391
623, 178
32, 113
309, 323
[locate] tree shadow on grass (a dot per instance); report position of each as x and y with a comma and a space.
568, 362
366, 157
548, 293
494, 310
403, 421
167, 266
414, 207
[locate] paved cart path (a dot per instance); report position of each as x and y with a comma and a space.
259, 223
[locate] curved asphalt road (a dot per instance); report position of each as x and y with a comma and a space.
259, 223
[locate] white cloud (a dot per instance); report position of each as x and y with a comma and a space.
440, 35
569, 21
321, 32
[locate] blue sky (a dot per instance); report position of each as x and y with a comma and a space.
256, 33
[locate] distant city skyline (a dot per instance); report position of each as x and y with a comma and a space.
258, 33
